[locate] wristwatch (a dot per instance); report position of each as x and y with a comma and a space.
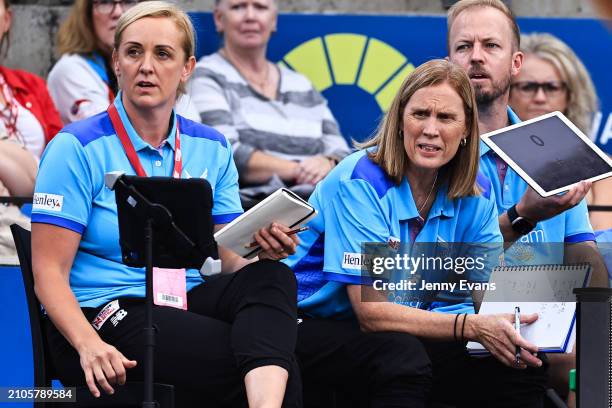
519, 224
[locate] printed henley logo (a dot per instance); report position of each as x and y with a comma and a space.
50, 202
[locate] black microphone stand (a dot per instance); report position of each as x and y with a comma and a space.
155, 217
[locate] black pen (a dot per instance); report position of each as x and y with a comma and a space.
517, 327
254, 244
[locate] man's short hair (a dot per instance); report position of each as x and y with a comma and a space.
463, 5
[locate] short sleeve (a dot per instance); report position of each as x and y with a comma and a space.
577, 225
227, 205
485, 240
75, 89
63, 192
355, 216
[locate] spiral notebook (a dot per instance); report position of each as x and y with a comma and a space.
527, 287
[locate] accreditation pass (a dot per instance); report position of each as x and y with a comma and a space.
37, 394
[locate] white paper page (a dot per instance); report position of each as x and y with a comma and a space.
531, 284
548, 332
278, 207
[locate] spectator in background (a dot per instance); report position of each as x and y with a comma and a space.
17, 173
26, 109
278, 124
553, 78
82, 82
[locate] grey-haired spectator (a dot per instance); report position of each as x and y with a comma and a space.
278, 124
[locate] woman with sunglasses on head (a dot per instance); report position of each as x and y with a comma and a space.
227, 341
553, 78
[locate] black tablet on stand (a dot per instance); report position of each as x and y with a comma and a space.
163, 222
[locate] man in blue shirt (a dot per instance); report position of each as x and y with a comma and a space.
484, 40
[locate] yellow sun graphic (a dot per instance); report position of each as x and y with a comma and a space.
352, 59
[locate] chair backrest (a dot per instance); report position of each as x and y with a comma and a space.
129, 395
42, 371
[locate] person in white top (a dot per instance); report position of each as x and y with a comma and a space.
82, 82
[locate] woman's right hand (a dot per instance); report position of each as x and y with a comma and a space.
103, 364
497, 334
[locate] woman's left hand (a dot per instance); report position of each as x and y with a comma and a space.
275, 243
313, 169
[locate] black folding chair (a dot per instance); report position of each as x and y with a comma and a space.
129, 395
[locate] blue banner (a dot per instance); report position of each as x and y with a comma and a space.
358, 61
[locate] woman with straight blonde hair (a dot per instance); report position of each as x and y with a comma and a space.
224, 341
414, 182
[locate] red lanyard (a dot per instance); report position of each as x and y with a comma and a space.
129, 147
10, 119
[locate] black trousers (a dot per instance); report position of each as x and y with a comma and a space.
464, 381
365, 369
388, 369
235, 323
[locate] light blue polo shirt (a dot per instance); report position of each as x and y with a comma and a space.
70, 193
356, 203
570, 226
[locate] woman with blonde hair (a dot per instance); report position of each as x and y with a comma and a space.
553, 78
226, 341
414, 182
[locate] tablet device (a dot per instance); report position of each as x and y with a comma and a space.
550, 153
189, 202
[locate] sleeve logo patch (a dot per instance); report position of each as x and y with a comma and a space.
353, 260
50, 202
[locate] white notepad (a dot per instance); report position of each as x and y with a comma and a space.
282, 206
554, 331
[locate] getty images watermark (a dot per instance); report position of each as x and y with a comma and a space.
453, 272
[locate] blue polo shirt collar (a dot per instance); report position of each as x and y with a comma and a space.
137, 141
406, 206
512, 118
